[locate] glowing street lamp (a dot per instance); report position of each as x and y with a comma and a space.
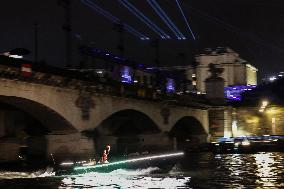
264, 103
263, 106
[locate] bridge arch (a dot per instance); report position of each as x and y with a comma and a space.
188, 133
127, 122
24, 127
47, 117
126, 131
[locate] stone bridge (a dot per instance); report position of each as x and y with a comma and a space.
80, 120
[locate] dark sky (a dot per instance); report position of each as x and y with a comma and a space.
254, 28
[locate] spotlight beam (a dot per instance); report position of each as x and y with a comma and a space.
114, 19
166, 19
144, 18
186, 21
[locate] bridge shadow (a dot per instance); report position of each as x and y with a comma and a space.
188, 134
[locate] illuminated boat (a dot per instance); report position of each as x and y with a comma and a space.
163, 161
249, 144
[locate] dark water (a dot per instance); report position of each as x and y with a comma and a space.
262, 170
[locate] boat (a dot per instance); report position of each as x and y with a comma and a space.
163, 161
248, 144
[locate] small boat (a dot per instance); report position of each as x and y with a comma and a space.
163, 161
249, 144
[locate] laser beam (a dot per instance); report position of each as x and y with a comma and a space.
130, 161
166, 19
186, 21
114, 19
144, 19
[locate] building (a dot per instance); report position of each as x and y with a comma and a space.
237, 72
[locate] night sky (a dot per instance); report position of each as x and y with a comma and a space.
254, 28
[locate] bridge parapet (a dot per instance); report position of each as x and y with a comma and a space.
75, 80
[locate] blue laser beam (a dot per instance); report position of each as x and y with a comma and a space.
129, 161
144, 19
186, 21
165, 18
114, 19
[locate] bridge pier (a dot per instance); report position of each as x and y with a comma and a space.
73, 146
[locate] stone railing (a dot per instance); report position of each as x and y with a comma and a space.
95, 85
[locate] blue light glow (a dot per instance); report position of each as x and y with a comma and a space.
187, 23
114, 19
144, 19
234, 92
170, 87
126, 76
165, 18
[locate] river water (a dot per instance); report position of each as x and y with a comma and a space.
262, 170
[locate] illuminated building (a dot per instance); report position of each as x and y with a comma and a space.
237, 73
170, 85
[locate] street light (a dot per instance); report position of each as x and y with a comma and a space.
264, 103
263, 106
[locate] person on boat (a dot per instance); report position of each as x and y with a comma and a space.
105, 155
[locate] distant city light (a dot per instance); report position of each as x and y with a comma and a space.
272, 78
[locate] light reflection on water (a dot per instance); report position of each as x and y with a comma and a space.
124, 179
262, 170
266, 171
242, 171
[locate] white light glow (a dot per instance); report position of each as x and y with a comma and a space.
124, 179
15, 56
264, 103
235, 128
265, 173
246, 143
272, 78
67, 163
